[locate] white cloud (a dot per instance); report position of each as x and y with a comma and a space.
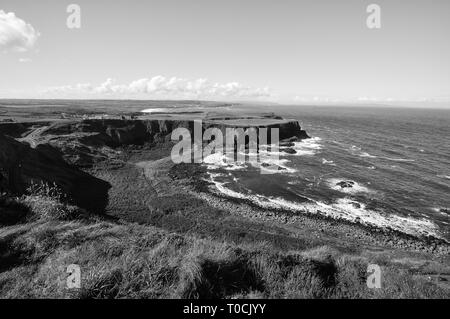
16, 34
315, 99
162, 87
25, 60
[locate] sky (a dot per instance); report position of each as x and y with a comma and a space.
281, 51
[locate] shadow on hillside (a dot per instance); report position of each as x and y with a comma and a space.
23, 165
12, 212
12, 256
91, 193
226, 278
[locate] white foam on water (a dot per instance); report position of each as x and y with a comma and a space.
409, 225
228, 192
264, 159
325, 162
343, 208
308, 146
365, 154
273, 165
444, 176
299, 151
440, 211
220, 160
444, 214
269, 164
398, 159
356, 188
272, 153
304, 152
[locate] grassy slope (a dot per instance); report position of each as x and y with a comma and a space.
122, 259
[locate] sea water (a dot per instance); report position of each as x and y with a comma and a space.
397, 159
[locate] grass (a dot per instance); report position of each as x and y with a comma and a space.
42, 201
127, 260
132, 199
177, 246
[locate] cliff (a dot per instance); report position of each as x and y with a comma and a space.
21, 166
84, 142
115, 132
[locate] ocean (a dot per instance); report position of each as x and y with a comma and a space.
396, 159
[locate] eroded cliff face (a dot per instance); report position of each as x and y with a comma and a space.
86, 142
287, 129
124, 132
17, 130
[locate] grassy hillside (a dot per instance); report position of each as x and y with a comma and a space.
127, 260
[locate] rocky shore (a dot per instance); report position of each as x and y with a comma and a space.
305, 224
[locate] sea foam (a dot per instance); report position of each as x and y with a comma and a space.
343, 208
356, 188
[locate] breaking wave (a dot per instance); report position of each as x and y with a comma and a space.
343, 208
327, 162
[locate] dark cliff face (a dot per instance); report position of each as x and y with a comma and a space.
16, 129
124, 132
292, 129
86, 142
21, 166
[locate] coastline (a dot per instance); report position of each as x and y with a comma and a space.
143, 191
306, 223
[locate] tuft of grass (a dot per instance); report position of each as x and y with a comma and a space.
106, 286
45, 207
42, 202
47, 190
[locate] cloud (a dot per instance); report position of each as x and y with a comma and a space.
162, 87
315, 99
25, 60
15, 34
